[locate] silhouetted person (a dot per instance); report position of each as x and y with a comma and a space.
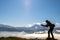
49, 24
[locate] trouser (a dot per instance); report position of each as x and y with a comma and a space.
50, 31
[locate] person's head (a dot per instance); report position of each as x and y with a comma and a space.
47, 21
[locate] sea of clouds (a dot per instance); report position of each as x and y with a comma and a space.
23, 34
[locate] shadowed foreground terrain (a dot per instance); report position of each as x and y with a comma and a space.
17, 38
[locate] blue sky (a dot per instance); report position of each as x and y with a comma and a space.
22, 12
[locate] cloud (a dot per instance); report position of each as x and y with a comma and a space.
38, 23
30, 25
43, 23
58, 24
22, 25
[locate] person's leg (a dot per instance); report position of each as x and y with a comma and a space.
49, 33
52, 33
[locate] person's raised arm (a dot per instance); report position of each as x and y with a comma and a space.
44, 25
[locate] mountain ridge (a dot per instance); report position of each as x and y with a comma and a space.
34, 28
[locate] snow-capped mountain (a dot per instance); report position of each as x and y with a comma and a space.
34, 28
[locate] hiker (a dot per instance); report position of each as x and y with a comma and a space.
49, 24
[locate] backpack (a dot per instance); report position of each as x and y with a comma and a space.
53, 25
